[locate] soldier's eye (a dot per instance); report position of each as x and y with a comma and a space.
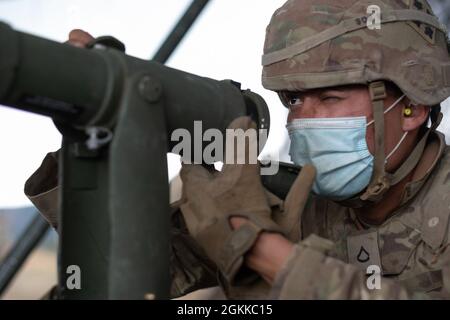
295, 101
330, 98
292, 99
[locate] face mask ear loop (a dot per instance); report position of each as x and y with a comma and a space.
397, 146
390, 108
404, 136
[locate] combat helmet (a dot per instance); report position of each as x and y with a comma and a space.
313, 44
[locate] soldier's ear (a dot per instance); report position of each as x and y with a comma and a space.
414, 116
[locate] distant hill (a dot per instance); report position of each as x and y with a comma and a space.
14, 221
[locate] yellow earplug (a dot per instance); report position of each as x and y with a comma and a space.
407, 112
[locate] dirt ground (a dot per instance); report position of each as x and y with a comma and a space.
39, 275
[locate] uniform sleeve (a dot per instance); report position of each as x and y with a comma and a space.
42, 188
312, 273
190, 268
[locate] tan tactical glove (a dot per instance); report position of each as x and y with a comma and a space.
211, 199
289, 218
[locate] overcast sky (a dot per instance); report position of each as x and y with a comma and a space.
225, 43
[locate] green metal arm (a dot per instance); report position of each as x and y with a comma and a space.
114, 197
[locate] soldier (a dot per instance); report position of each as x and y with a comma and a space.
359, 100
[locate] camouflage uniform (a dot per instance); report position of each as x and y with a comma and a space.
313, 44
412, 247
317, 44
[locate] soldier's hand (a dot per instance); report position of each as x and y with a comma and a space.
212, 199
79, 38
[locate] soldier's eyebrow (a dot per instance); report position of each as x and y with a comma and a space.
293, 93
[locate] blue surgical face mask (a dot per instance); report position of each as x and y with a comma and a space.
337, 148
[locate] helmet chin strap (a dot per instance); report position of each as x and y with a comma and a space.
379, 183
382, 181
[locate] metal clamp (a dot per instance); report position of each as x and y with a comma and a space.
98, 137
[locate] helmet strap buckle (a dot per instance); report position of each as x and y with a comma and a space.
375, 191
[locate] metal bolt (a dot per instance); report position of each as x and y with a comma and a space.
150, 89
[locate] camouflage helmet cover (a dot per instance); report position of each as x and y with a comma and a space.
323, 43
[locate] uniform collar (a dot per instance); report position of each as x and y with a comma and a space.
432, 154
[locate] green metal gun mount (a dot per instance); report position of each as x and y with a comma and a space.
116, 114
